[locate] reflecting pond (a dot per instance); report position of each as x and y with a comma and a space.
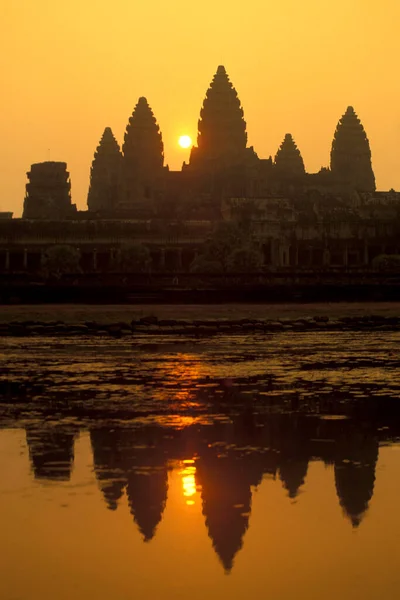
261, 466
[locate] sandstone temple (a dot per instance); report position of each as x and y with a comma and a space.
334, 217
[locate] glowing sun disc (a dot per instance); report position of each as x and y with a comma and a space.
185, 141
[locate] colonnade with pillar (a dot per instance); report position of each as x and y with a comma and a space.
278, 253
324, 253
97, 258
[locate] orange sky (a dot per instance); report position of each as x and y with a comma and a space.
69, 69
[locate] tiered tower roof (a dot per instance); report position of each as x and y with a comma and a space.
222, 133
351, 153
143, 147
105, 174
288, 159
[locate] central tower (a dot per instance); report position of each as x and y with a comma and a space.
222, 137
143, 159
351, 154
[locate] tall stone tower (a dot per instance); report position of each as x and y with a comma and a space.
351, 154
48, 193
143, 158
222, 137
105, 175
288, 160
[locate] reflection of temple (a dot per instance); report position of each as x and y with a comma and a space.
294, 455
133, 460
355, 463
226, 474
147, 496
107, 462
51, 450
226, 496
330, 218
147, 479
231, 460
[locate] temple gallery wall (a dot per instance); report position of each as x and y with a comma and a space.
333, 218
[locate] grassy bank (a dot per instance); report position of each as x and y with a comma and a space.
114, 313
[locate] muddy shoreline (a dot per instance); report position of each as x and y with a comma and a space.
108, 313
196, 320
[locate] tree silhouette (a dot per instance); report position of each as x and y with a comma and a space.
231, 248
133, 258
61, 259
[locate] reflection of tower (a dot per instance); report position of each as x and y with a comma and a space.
147, 496
226, 496
294, 454
355, 462
147, 479
293, 472
108, 464
51, 450
226, 471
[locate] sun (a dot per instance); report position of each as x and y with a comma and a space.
185, 141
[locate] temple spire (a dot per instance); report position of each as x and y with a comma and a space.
288, 160
143, 151
222, 136
143, 147
351, 154
105, 174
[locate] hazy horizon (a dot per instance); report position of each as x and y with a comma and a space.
70, 70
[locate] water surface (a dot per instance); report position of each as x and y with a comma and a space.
248, 466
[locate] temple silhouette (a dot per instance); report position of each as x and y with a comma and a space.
332, 218
133, 181
231, 460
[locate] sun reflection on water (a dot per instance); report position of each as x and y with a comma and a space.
189, 481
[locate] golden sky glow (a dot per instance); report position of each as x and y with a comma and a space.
69, 69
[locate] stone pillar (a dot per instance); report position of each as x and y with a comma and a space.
7, 265
284, 256
179, 259
162, 259
326, 257
95, 259
25, 259
281, 255
366, 254
42, 257
274, 253
346, 256
310, 256
296, 255
111, 265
